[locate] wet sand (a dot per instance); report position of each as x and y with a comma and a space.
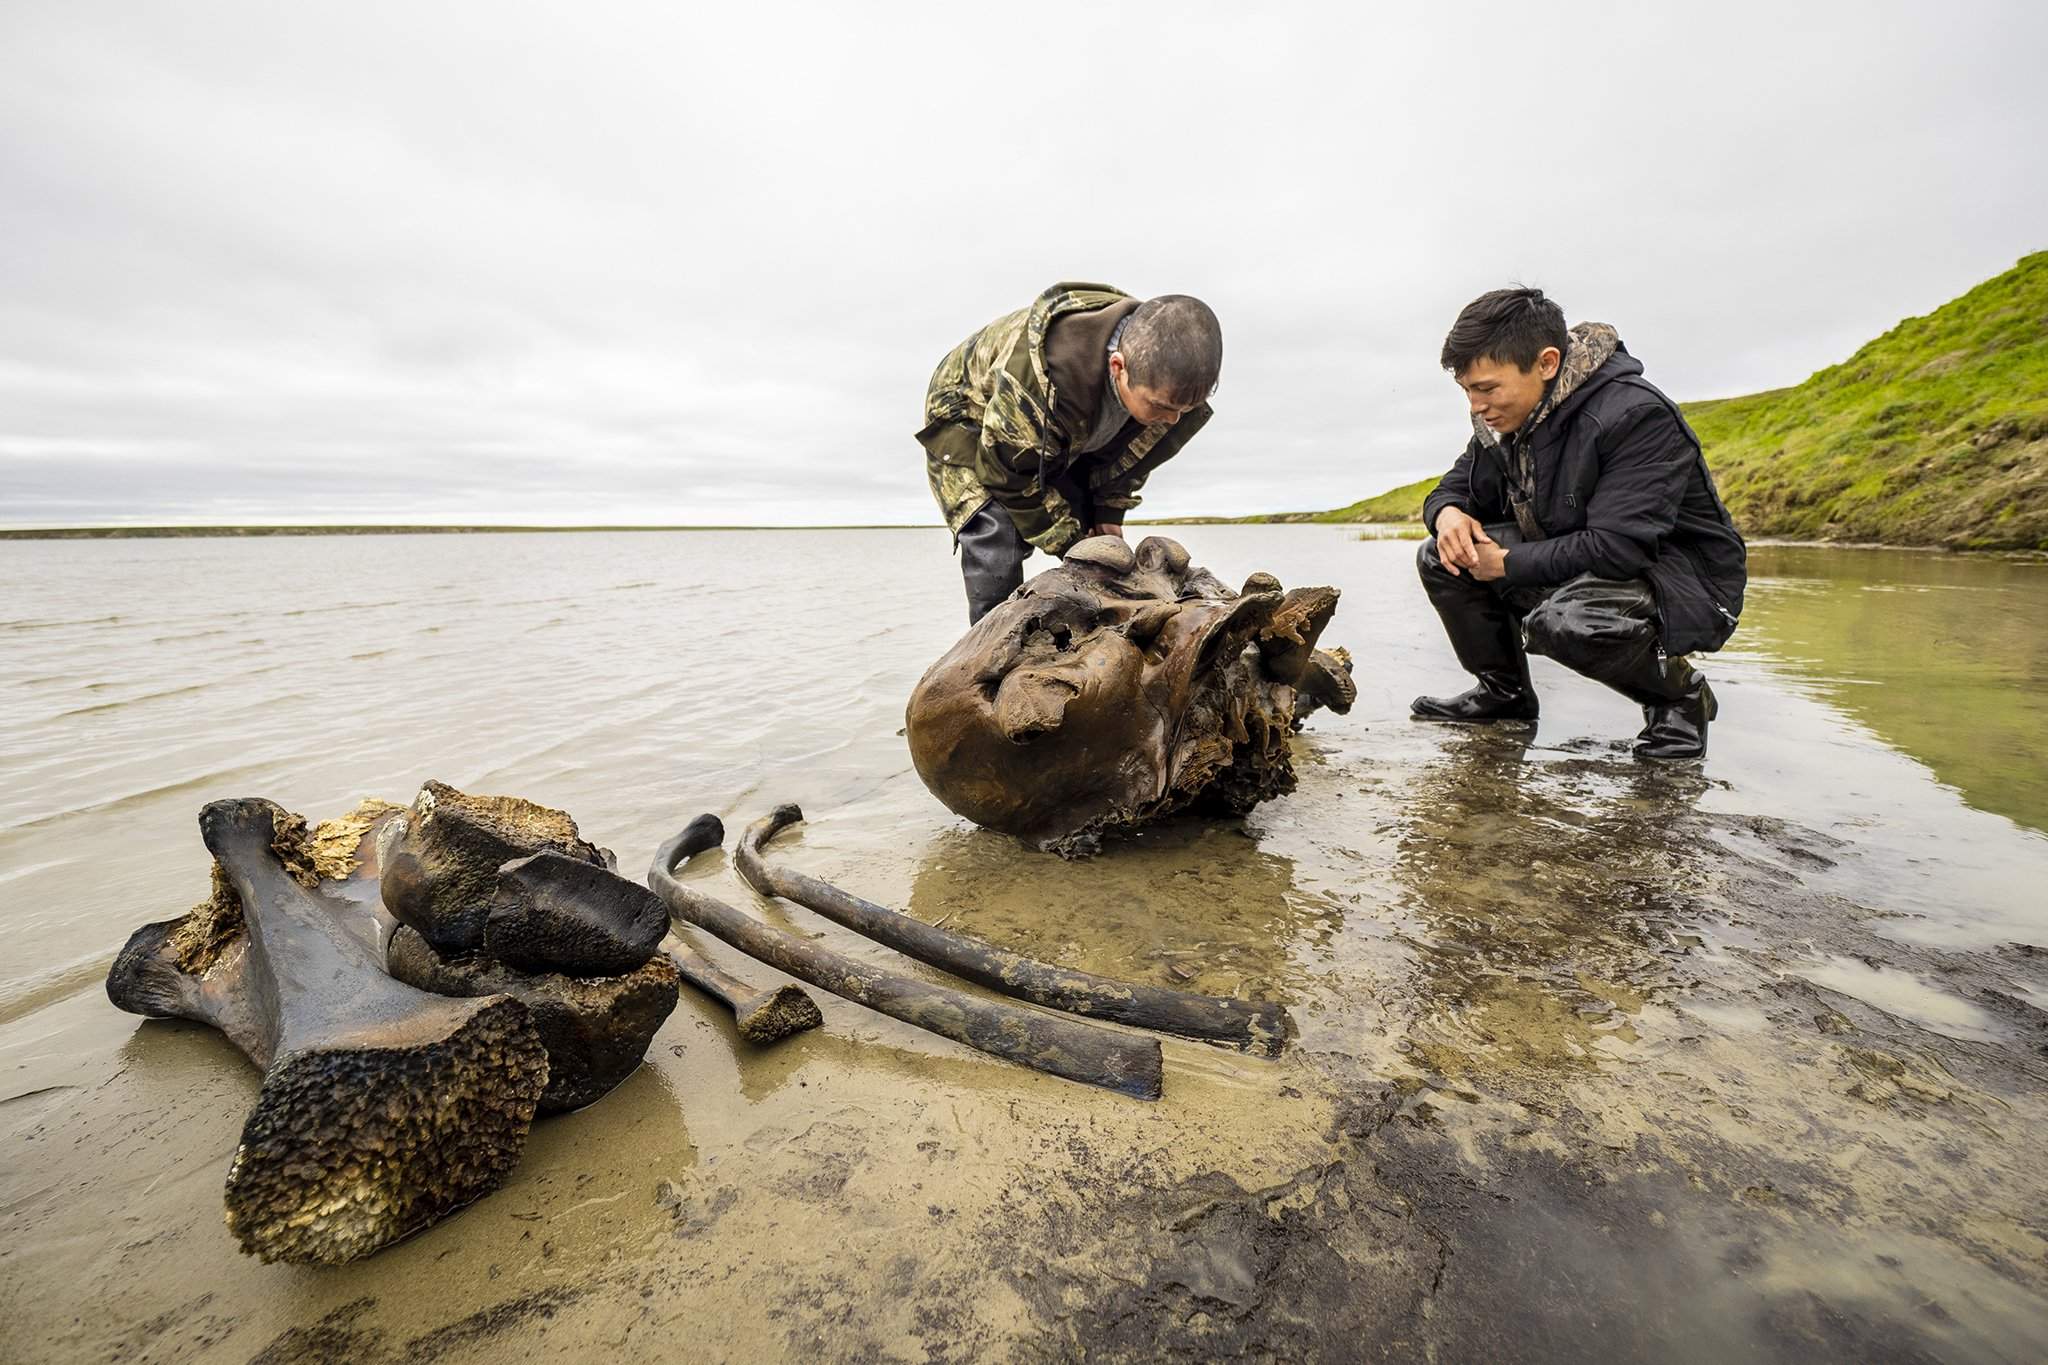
1598, 1060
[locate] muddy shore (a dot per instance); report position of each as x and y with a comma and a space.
1598, 1060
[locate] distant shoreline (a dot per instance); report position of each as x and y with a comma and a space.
177, 532
221, 532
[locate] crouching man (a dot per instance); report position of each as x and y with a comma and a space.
1580, 524
1041, 427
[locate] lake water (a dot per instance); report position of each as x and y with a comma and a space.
1421, 900
634, 679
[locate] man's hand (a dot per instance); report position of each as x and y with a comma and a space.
1459, 538
1107, 528
1492, 561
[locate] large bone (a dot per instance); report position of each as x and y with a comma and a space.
762, 1016
551, 913
440, 859
565, 936
1121, 687
1254, 1025
596, 1029
383, 1108
1047, 1042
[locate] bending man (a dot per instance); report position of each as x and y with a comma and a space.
1042, 426
1580, 523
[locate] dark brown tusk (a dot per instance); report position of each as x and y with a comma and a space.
763, 1016
1256, 1026
1047, 1042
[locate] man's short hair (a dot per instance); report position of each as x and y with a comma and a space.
1173, 345
1511, 326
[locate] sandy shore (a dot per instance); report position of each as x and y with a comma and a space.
1589, 1098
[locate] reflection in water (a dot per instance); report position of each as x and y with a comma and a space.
1553, 896
1942, 656
1190, 904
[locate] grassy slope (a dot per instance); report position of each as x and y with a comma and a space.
1934, 434
1401, 504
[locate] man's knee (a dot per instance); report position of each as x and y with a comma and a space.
1426, 561
1587, 619
1435, 577
1452, 592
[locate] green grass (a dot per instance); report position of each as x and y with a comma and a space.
1401, 504
1934, 434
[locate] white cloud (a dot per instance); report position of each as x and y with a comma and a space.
556, 262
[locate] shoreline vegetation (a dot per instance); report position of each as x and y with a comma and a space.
1933, 436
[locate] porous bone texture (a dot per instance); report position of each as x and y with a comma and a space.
350, 1150
595, 1030
383, 1107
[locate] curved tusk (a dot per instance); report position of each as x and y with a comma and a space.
1046, 1042
1255, 1025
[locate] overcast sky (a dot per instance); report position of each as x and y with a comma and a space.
588, 262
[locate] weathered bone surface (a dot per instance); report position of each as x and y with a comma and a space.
383, 1108
762, 1016
595, 1030
551, 913
1253, 1025
560, 931
440, 859
1047, 1042
1120, 687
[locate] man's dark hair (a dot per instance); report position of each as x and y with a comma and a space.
1511, 326
1173, 345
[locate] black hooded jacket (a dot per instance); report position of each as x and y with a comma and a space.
1622, 492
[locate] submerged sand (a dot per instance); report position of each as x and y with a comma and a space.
1586, 1071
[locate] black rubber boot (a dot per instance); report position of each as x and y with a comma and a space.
1487, 639
1679, 729
992, 555
1499, 696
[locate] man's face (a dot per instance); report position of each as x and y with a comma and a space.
1502, 395
1151, 407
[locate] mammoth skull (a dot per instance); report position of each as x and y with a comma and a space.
1120, 687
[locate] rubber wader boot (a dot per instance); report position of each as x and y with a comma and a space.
1678, 729
1499, 696
1488, 642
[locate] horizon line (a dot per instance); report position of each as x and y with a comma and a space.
172, 529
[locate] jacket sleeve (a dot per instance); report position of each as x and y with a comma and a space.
1121, 474
1645, 459
1453, 489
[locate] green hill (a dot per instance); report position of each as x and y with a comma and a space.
1402, 504
1934, 434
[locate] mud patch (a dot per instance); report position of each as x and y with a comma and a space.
341, 1337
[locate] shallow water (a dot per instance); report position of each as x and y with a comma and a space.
634, 679
1479, 918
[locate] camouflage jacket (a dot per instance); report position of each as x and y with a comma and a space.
990, 436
